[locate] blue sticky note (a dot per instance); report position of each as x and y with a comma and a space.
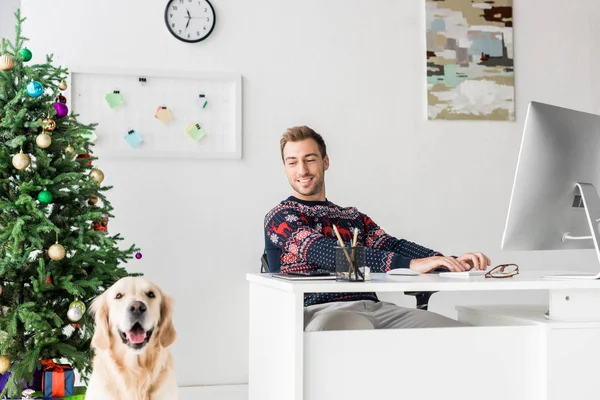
133, 138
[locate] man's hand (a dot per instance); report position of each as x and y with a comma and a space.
476, 260
424, 265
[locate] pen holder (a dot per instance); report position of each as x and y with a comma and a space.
349, 263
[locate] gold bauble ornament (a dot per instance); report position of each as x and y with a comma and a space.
56, 252
97, 175
93, 199
62, 85
6, 63
48, 124
43, 140
4, 364
69, 149
21, 161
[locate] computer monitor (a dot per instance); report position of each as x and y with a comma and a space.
554, 203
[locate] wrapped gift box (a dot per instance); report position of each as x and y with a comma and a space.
58, 380
35, 385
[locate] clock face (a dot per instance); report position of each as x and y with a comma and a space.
190, 20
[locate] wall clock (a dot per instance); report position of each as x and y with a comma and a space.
190, 21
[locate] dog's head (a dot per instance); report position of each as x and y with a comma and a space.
133, 312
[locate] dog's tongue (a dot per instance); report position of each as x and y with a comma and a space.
136, 335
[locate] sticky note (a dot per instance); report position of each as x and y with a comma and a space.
133, 138
195, 131
114, 99
163, 114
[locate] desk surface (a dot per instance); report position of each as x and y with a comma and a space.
526, 280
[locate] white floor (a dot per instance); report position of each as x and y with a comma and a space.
234, 392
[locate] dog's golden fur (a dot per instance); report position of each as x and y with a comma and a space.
119, 371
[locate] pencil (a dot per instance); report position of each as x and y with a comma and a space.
341, 242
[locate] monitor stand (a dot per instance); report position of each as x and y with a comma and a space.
591, 203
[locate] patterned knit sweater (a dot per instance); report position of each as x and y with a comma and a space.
299, 236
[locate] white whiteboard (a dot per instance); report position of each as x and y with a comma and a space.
178, 91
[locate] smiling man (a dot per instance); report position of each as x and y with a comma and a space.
299, 237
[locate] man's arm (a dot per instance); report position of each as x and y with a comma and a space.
288, 230
422, 258
377, 238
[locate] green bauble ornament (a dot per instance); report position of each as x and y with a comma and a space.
25, 54
79, 304
45, 197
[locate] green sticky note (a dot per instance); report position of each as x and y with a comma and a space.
114, 99
195, 131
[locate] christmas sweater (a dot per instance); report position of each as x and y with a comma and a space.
299, 236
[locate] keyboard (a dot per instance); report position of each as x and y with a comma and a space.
463, 274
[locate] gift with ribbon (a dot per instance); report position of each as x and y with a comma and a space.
58, 380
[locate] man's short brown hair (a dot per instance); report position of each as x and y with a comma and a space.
298, 133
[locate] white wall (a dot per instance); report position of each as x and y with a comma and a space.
354, 71
7, 18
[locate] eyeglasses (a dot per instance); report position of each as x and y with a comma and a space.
503, 271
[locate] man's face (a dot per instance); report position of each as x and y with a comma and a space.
305, 169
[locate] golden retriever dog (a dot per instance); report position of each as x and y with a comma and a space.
133, 329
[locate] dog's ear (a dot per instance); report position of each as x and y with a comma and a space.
99, 309
166, 329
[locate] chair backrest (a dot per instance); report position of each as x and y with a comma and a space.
264, 265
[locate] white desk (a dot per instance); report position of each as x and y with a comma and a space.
508, 352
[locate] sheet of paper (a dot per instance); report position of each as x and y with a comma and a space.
195, 131
163, 114
114, 99
134, 139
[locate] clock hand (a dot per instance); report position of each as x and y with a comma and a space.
188, 12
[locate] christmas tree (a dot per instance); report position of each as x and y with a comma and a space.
55, 252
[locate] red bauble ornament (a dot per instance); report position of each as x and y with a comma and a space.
84, 156
101, 226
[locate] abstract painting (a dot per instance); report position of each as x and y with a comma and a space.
470, 69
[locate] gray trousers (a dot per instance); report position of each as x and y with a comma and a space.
367, 314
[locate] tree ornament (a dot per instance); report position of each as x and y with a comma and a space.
61, 99
61, 110
78, 304
45, 197
97, 175
43, 140
48, 124
74, 314
6, 63
62, 85
1, 290
84, 156
25, 54
138, 255
56, 252
69, 149
93, 199
101, 226
4, 364
21, 161
34, 89
49, 281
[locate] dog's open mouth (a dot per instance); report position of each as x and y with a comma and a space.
136, 337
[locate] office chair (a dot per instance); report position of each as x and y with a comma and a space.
422, 298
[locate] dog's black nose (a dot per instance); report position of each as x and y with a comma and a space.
137, 308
